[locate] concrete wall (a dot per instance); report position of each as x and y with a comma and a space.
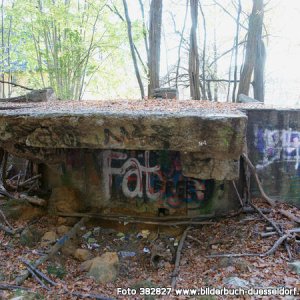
137, 181
273, 138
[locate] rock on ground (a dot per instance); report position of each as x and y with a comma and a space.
82, 254
48, 238
104, 268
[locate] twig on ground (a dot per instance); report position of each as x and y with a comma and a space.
7, 229
144, 220
34, 200
5, 220
58, 245
38, 279
38, 272
269, 252
12, 287
289, 215
178, 256
194, 239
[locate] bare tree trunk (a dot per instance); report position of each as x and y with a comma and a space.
259, 72
180, 44
254, 39
203, 53
193, 54
3, 49
236, 50
215, 66
154, 45
136, 68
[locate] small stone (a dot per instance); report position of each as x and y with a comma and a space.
63, 229
87, 235
82, 254
86, 265
91, 241
104, 268
127, 253
48, 238
236, 282
29, 237
295, 266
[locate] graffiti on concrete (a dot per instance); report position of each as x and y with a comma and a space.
151, 176
277, 145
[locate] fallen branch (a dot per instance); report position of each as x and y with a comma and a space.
270, 201
178, 256
58, 245
38, 279
12, 287
15, 84
33, 96
194, 239
5, 220
269, 252
142, 220
274, 225
38, 272
34, 200
7, 229
289, 216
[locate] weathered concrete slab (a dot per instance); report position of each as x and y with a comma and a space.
183, 126
193, 165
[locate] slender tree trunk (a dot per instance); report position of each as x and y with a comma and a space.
193, 54
131, 44
254, 39
154, 45
203, 53
180, 44
236, 50
216, 91
259, 72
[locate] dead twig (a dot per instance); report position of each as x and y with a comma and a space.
58, 245
143, 220
38, 272
270, 201
290, 216
34, 200
178, 256
269, 252
38, 279
12, 287
15, 84
5, 220
194, 239
7, 229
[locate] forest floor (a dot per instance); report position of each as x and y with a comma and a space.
146, 258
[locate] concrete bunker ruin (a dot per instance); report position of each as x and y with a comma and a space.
135, 158
152, 158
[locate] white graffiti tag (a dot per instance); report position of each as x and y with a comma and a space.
276, 145
130, 168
